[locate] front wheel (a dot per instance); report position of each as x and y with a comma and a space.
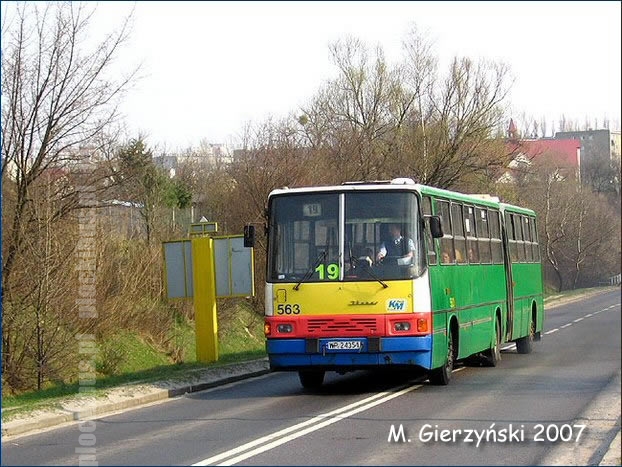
524, 345
441, 376
311, 379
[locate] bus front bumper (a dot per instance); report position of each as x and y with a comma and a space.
297, 354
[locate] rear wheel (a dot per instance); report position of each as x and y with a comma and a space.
441, 376
524, 345
311, 379
493, 355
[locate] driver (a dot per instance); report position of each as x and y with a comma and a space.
399, 247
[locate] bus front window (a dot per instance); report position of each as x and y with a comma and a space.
382, 236
304, 238
380, 232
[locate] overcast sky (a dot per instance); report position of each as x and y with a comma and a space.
209, 67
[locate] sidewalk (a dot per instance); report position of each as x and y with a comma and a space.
613, 455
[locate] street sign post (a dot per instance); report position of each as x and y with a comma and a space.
205, 268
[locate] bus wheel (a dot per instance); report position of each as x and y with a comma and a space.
311, 379
441, 376
493, 355
525, 344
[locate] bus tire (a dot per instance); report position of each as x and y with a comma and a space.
311, 379
524, 345
492, 356
441, 376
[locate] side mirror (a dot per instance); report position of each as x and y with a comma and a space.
249, 236
436, 229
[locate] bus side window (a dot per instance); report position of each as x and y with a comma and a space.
483, 236
534, 235
495, 237
520, 241
528, 239
457, 227
447, 242
509, 228
471, 235
429, 241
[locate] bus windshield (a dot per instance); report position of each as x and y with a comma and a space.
378, 237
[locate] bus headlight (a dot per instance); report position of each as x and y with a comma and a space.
284, 328
401, 326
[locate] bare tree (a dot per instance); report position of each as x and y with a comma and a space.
56, 98
462, 121
578, 230
274, 155
379, 121
57, 101
421, 72
353, 118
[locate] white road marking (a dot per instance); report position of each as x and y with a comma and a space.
286, 435
581, 319
316, 423
313, 428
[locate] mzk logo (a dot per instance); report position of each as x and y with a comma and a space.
396, 304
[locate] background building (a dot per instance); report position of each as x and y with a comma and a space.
600, 158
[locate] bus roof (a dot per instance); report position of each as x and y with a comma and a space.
405, 184
517, 209
402, 184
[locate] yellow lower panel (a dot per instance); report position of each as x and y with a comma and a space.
329, 298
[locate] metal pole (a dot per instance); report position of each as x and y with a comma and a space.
205, 312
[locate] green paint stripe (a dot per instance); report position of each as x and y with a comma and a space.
470, 307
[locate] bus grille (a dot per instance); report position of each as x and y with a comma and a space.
336, 326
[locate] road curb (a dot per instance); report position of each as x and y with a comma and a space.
203, 386
566, 300
41, 422
115, 406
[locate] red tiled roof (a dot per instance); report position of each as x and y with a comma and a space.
563, 151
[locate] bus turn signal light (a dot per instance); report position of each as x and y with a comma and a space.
422, 325
266, 329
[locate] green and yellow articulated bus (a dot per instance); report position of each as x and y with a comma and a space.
371, 275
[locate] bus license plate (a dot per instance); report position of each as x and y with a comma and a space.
344, 345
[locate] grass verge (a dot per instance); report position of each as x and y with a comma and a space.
128, 358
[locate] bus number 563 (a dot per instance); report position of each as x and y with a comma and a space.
288, 309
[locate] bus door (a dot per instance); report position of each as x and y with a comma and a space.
507, 261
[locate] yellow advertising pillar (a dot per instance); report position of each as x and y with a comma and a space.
205, 317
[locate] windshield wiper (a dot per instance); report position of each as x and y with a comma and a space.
369, 271
311, 270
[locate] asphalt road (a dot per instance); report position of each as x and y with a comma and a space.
270, 420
